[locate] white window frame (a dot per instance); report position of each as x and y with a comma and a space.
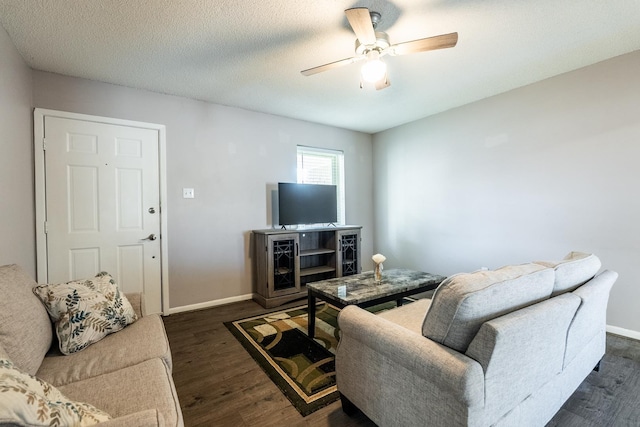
336, 173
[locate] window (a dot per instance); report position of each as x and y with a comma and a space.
320, 166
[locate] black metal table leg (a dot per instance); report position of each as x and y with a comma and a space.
311, 321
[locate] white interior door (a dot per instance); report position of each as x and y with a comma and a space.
102, 192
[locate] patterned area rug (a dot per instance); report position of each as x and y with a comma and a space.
302, 368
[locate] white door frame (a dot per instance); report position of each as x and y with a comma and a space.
40, 193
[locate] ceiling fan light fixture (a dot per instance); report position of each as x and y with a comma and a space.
374, 69
371, 45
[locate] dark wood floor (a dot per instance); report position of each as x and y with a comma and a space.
610, 397
219, 384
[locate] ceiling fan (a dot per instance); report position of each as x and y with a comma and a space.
371, 45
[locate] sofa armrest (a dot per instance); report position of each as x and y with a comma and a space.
146, 418
522, 351
136, 300
591, 317
363, 333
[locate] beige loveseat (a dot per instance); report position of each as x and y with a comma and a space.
505, 347
127, 374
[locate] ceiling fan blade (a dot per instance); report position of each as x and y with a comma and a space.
421, 45
383, 83
360, 20
329, 66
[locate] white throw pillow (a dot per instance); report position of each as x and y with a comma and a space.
85, 311
27, 400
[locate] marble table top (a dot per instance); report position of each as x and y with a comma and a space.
360, 288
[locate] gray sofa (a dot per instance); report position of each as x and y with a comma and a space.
127, 374
505, 347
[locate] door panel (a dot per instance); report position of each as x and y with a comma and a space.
130, 262
101, 182
83, 262
82, 191
129, 199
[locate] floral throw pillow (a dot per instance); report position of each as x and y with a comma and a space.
85, 311
27, 400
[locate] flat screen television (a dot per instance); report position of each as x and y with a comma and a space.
307, 204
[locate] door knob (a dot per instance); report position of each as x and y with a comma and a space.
150, 237
152, 210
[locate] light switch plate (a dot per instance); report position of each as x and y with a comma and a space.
188, 193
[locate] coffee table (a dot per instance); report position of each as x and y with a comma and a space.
362, 290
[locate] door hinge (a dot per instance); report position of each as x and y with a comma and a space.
44, 144
46, 227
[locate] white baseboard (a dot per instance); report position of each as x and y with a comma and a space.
624, 332
209, 304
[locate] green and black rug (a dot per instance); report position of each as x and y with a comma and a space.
304, 369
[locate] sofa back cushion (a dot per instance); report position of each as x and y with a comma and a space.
463, 302
3, 354
25, 328
572, 271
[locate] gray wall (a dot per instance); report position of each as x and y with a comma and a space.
232, 158
17, 233
530, 174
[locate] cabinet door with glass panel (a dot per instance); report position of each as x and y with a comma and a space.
348, 252
283, 268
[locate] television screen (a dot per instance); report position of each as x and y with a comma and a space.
307, 204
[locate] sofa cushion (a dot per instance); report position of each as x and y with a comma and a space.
463, 302
85, 311
409, 316
574, 270
137, 303
26, 400
25, 328
147, 385
143, 340
146, 418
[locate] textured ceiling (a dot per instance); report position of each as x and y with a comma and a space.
249, 54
